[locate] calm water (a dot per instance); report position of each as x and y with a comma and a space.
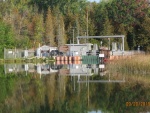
74, 88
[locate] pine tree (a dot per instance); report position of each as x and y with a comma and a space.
61, 32
38, 28
49, 29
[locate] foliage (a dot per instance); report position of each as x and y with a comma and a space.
49, 29
50, 22
7, 39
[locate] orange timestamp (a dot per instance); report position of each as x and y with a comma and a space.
128, 104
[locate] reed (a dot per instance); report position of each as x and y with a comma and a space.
137, 64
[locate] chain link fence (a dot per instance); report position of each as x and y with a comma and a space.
18, 53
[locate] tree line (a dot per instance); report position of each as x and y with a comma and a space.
26, 23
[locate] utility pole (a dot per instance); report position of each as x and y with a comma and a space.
73, 29
73, 36
87, 26
85, 35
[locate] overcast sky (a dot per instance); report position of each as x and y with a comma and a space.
94, 0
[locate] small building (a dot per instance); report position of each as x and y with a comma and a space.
78, 49
44, 51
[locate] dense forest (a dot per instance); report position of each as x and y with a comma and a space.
26, 23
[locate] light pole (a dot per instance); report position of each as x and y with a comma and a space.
73, 29
85, 35
109, 44
87, 26
101, 43
73, 36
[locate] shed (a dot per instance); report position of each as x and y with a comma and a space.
44, 51
78, 49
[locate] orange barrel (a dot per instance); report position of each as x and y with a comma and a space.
58, 58
79, 58
73, 62
66, 58
62, 58
70, 58
66, 61
76, 62
58, 62
73, 58
70, 62
79, 61
76, 58
62, 62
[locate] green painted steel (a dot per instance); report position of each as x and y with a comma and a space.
90, 59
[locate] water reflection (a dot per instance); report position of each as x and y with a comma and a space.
73, 88
64, 70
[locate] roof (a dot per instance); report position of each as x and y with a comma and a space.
79, 44
45, 47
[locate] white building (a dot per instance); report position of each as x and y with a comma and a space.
44, 51
78, 49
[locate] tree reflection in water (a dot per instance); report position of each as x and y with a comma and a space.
56, 93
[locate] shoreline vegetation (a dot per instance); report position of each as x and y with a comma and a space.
136, 64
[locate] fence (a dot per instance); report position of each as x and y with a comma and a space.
17, 53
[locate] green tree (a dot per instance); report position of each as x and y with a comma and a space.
143, 34
7, 37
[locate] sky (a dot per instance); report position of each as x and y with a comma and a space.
94, 0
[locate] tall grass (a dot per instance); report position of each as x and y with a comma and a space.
136, 69
137, 64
